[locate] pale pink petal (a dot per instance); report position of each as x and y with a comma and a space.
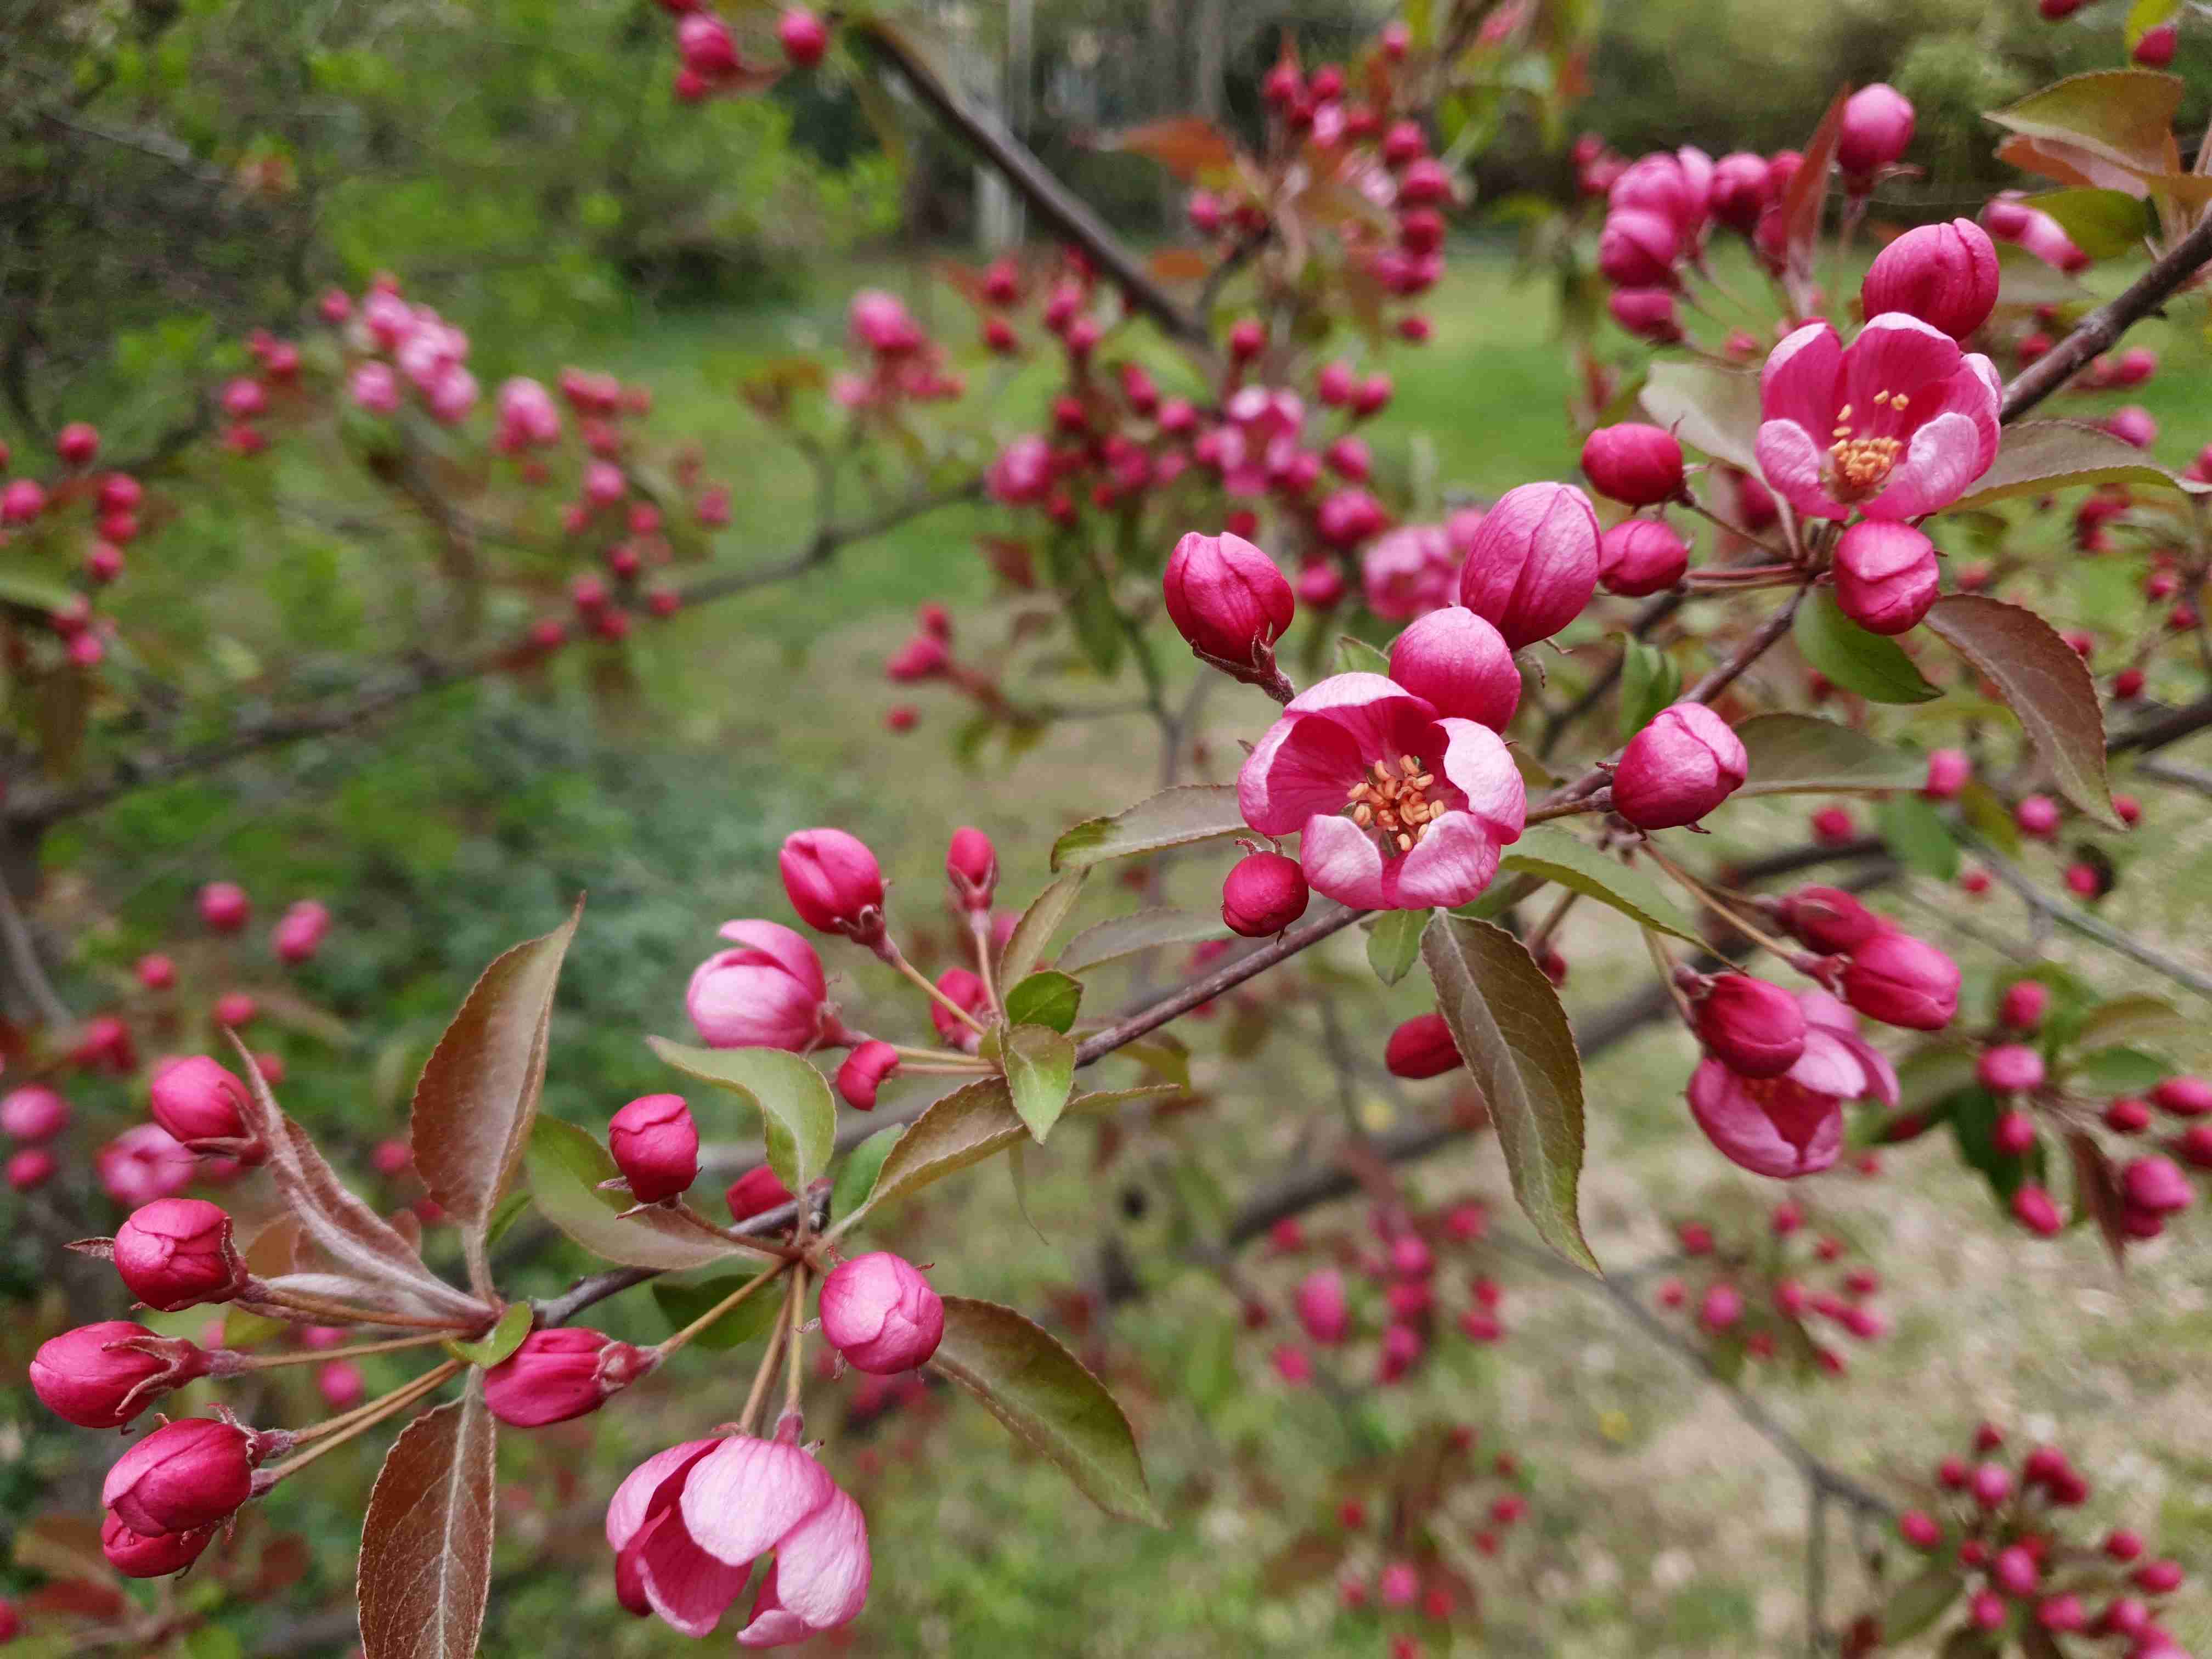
1451, 865
1342, 862
1384, 718
1822, 1009
822, 1566
785, 945
633, 1499
687, 1587
747, 1493
1880, 1075
1771, 1128
1798, 384
1481, 767
1827, 1066
1792, 461
1894, 353
1943, 458
1305, 765
771, 1626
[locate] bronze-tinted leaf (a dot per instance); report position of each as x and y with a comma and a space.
426, 1543
1188, 146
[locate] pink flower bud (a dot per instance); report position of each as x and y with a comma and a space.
863, 1073
2014, 1571
1641, 556
1292, 1364
300, 933
1679, 767
755, 1193
1722, 1308
1901, 980
879, 1312
101, 1376
1264, 893
78, 443
156, 972
1422, 1047
768, 993
2156, 48
1739, 192
1990, 1484
1948, 772
1321, 1308
340, 1384
971, 865
188, 1474
1752, 1026
201, 1103
1459, 664
34, 1113
2035, 1209
656, 1146
177, 1253
2014, 1131
1399, 1585
140, 1555
2184, 1096
22, 500
234, 1008
1532, 563
833, 881
561, 1373
2010, 1068
803, 37
28, 1170
2133, 424
1886, 575
1639, 464
224, 906
2158, 1577
1828, 919
1944, 275
2156, 1185
1637, 249
2129, 1116
1920, 1529
1877, 127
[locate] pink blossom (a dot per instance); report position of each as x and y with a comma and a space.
880, 1313
1396, 807
1895, 426
768, 993
1409, 572
143, 1164
688, 1524
880, 322
1021, 475
1532, 561
1793, 1125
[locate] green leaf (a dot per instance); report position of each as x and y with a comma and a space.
856, 1179
2121, 117
1393, 943
565, 1167
1040, 1075
1049, 998
1048, 1401
1649, 681
1710, 408
1025, 948
2045, 682
1920, 1601
1987, 815
1917, 837
2145, 15
799, 1114
1174, 818
1800, 753
501, 1341
2026, 283
680, 1303
1509, 1025
959, 1131
1146, 930
511, 1210
2119, 1069
2038, 457
1872, 664
33, 592
1934, 1073
1556, 855
2132, 1019
2105, 224
1356, 656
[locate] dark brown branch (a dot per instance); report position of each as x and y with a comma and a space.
2102, 327
1070, 217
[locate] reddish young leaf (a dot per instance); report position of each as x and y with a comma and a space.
1807, 195
426, 1543
1188, 146
477, 1096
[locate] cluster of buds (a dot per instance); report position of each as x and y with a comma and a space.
900, 364
712, 63
1420, 1266
2024, 1567
82, 518
1758, 1297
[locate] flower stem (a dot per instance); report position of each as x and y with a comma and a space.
669, 1345
898, 961
338, 1430
759, 1389
979, 930
1713, 902
347, 1314
271, 1362
796, 1308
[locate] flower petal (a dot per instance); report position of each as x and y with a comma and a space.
822, 1566
1894, 353
1384, 718
687, 1587
1342, 862
634, 1498
1772, 1129
747, 1493
1943, 458
1305, 765
1478, 763
1792, 462
785, 945
771, 1626
1827, 1066
1451, 865
1798, 383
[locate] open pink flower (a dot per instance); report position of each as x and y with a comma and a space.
1793, 1125
688, 1524
1396, 807
1895, 425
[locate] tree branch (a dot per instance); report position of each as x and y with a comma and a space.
2096, 332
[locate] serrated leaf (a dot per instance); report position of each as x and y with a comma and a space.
565, 1166
1649, 681
1025, 947
1040, 1075
2045, 682
1048, 1401
1919, 1601
1125, 936
2123, 118
1556, 855
1513, 1034
1872, 664
959, 1131
501, 1341
477, 1095
1917, 837
2038, 457
1174, 818
856, 1178
1355, 656
1801, 754
799, 1114
682, 1303
1393, 943
426, 1540
1047, 997
1710, 408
